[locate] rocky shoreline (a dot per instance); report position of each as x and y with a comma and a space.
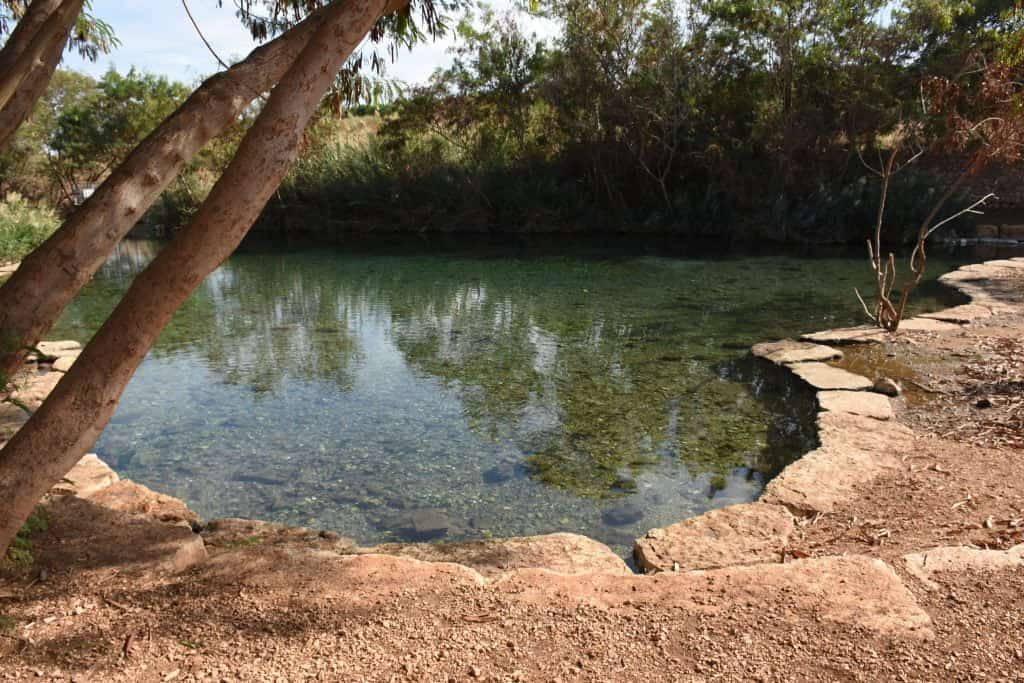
738, 560
856, 431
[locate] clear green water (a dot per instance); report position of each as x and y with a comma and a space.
415, 395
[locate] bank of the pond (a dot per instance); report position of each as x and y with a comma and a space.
891, 551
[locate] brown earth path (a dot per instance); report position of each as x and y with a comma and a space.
893, 552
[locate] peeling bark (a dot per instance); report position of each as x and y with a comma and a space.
72, 418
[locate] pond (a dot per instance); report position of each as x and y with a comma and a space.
424, 394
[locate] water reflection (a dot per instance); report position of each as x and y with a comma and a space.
487, 395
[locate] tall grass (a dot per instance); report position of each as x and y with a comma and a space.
338, 190
23, 227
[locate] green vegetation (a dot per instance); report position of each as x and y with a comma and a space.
81, 129
703, 118
698, 118
20, 551
23, 227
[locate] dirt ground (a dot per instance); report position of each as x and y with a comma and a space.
829, 609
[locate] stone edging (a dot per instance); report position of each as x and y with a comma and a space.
741, 546
856, 432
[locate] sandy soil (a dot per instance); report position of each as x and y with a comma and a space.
93, 608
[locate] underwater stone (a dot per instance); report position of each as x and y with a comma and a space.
428, 524
503, 472
623, 514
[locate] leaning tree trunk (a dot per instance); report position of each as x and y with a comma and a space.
74, 415
33, 298
24, 33
34, 69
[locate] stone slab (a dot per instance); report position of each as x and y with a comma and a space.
34, 389
791, 351
11, 419
54, 349
853, 590
854, 450
90, 476
561, 553
136, 499
754, 533
864, 403
925, 565
825, 377
967, 313
64, 363
94, 538
872, 435
863, 334
922, 324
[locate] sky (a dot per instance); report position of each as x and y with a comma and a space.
156, 36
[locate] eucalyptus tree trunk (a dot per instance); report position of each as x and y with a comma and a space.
74, 415
24, 33
33, 298
25, 80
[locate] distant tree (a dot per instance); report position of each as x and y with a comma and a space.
25, 164
97, 131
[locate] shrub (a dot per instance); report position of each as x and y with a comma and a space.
23, 227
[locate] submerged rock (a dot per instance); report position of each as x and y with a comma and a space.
429, 524
503, 472
623, 514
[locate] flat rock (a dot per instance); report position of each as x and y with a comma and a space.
864, 432
34, 389
93, 538
864, 403
790, 351
90, 476
64, 363
825, 377
923, 324
561, 553
959, 559
741, 534
964, 314
11, 419
863, 334
854, 450
128, 497
54, 349
852, 590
